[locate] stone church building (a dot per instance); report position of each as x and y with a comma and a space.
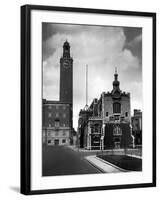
57, 115
106, 123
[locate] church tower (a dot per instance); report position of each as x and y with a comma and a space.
66, 75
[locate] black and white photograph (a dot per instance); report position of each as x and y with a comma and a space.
88, 99
92, 103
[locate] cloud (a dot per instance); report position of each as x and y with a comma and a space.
135, 46
103, 49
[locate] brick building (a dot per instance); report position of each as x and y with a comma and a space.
137, 127
107, 121
57, 115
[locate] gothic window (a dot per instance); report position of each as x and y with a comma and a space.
96, 128
116, 107
126, 114
106, 114
117, 130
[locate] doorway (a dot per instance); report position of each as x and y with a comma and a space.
56, 142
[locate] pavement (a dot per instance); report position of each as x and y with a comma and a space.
61, 160
68, 160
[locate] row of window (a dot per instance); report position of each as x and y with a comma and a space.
57, 115
57, 133
57, 124
126, 114
56, 142
57, 107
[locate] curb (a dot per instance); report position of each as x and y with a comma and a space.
104, 162
115, 166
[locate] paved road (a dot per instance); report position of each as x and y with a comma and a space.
61, 160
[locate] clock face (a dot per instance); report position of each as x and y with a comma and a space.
66, 63
116, 94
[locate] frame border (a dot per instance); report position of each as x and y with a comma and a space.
25, 143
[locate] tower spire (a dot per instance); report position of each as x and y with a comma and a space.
116, 74
66, 49
116, 83
115, 70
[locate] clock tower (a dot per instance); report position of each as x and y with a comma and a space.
66, 75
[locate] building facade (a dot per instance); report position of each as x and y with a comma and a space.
106, 124
137, 127
57, 115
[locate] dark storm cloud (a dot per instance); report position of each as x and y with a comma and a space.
47, 31
134, 42
131, 33
50, 29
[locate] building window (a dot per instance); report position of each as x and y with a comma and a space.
49, 114
49, 133
126, 114
57, 124
56, 133
49, 125
49, 141
49, 107
116, 107
67, 132
92, 130
117, 130
64, 133
57, 114
96, 128
64, 125
106, 114
63, 141
64, 115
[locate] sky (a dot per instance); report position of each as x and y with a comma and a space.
102, 48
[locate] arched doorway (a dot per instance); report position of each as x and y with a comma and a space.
117, 143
